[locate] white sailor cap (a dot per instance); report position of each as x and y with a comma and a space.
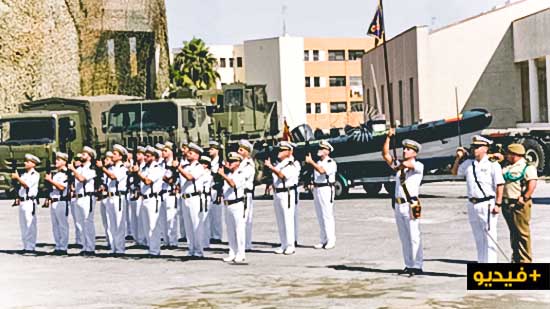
109, 154
246, 145
168, 145
233, 156
63, 156
205, 159
414, 145
159, 146
195, 147
32, 158
326, 145
284, 145
141, 149
120, 149
214, 144
185, 143
89, 150
481, 141
151, 150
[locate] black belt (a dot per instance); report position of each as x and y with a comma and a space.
148, 196
119, 193
248, 191
32, 198
231, 202
58, 199
323, 184
474, 200
279, 190
84, 195
401, 200
190, 195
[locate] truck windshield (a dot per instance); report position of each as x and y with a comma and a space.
146, 117
27, 131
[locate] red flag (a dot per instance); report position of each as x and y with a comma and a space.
286, 132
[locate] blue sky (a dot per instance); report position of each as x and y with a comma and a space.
233, 21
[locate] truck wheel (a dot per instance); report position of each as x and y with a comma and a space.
390, 187
372, 189
340, 189
534, 153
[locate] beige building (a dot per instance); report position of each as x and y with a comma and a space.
334, 88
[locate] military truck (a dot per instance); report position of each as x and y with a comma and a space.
46, 126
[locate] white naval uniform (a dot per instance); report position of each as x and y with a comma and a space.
489, 175
72, 204
192, 207
84, 206
59, 212
27, 209
181, 222
162, 209
249, 171
169, 210
150, 206
139, 231
114, 206
214, 225
205, 182
323, 199
285, 212
408, 227
103, 209
235, 215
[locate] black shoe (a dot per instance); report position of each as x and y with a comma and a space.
405, 271
415, 271
215, 241
296, 244
62, 252
129, 237
29, 252
183, 239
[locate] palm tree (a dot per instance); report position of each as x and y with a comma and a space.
194, 67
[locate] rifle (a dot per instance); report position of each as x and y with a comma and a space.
175, 173
48, 185
15, 184
98, 181
70, 176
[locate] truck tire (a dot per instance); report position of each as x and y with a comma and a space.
534, 153
372, 189
390, 187
340, 189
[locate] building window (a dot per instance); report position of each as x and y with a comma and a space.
316, 81
239, 62
355, 81
355, 54
317, 108
336, 55
308, 81
401, 108
308, 108
231, 62
337, 81
222, 62
315, 55
337, 107
411, 99
306, 55
357, 106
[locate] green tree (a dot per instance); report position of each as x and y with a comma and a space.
194, 67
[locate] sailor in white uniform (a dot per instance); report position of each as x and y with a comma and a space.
248, 169
60, 203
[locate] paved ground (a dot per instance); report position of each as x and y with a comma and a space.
359, 273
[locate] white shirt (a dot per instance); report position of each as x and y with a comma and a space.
167, 172
329, 165
89, 174
153, 173
59, 177
291, 171
230, 193
196, 170
121, 174
248, 169
31, 179
215, 164
489, 175
205, 181
413, 179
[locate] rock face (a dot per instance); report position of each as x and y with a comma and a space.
81, 47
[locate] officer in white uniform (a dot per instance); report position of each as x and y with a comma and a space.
85, 199
150, 186
409, 173
60, 204
324, 176
182, 161
28, 191
206, 182
169, 210
214, 224
233, 196
77, 162
285, 183
191, 194
102, 195
248, 169
117, 176
485, 186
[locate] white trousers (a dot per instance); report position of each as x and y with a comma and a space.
194, 224
169, 219
410, 236
116, 223
285, 215
486, 248
181, 222
77, 236
60, 225
128, 216
215, 223
324, 209
149, 214
103, 212
27, 223
236, 230
249, 219
84, 213
206, 219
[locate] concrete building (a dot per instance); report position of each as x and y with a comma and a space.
230, 63
497, 60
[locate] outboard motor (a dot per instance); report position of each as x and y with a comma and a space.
302, 133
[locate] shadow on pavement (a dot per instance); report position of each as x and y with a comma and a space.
450, 261
391, 271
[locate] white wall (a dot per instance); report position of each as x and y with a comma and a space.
227, 74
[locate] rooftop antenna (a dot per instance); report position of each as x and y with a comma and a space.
283, 13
